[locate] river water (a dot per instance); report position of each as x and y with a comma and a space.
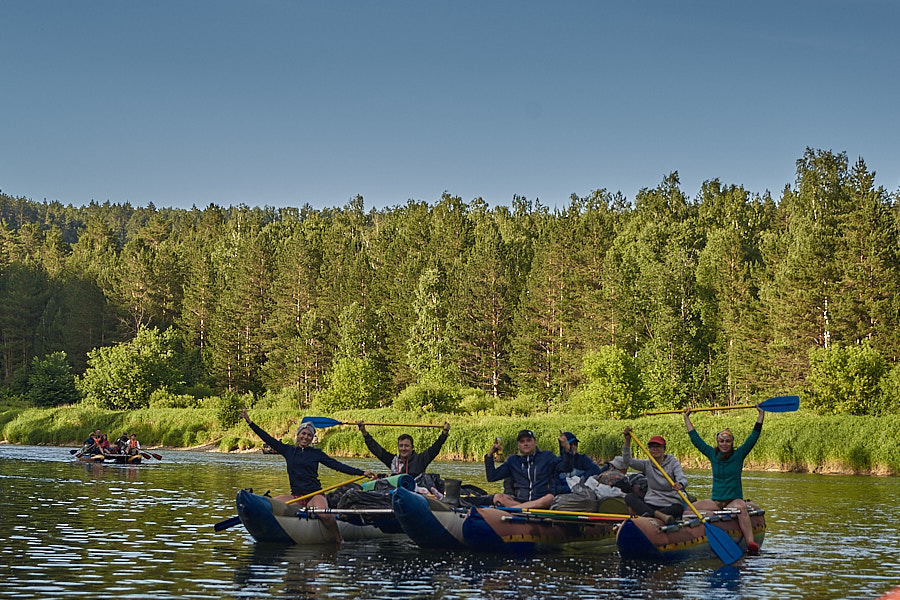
71, 529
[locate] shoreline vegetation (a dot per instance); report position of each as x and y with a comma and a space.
797, 442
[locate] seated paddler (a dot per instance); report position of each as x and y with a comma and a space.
533, 472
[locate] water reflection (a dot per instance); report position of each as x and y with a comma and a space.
70, 529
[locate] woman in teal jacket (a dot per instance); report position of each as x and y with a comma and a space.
727, 463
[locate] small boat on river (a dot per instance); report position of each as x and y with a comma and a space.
119, 459
273, 521
434, 524
647, 538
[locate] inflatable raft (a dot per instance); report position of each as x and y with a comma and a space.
646, 538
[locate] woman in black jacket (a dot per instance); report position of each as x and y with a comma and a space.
303, 462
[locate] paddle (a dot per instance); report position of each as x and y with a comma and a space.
149, 454
725, 548
779, 404
236, 520
324, 422
325, 489
572, 513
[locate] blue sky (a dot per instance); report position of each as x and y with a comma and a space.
284, 103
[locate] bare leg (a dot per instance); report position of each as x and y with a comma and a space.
705, 506
743, 520
542, 502
504, 500
328, 521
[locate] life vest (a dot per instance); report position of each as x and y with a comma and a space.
132, 443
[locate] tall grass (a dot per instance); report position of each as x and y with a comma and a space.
789, 442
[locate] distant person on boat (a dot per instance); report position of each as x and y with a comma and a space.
727, 464
92, 444
582, 465
134, 446
534, 472
406, 460
122, 444
303, 462
104, 445
614, 474
661, 500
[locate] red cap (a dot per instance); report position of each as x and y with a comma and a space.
657, 439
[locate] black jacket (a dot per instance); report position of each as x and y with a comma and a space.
416, 464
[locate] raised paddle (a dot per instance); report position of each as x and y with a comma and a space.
778, 404
725, 548
324, 422
236, 520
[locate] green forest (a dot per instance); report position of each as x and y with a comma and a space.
605, 307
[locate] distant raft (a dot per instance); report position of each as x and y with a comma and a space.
120, 459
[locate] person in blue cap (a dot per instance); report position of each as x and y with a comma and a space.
581, 464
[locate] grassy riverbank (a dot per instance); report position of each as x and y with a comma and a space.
790, 442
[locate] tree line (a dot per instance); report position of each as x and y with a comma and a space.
603, 306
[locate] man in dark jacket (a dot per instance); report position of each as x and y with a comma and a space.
533, 472
407, 460
582, 466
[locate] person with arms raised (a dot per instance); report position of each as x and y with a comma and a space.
303, 462
406, 460
727, 464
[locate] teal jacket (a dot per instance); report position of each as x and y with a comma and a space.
726, 473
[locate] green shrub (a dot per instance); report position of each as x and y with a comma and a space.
846, 380
229, 410
429, 396
163, 398
51, 381
286, 398
476, 402
523, 405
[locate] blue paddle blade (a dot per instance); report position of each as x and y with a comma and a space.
781, 404
227, 523
321, 422
725, 548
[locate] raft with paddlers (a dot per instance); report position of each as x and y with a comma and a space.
93, 456
434, 524
648, 538
360, 514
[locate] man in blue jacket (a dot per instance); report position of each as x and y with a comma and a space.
533, 472
582, 466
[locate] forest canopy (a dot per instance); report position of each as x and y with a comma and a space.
603, 306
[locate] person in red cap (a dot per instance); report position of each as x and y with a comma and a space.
661, 500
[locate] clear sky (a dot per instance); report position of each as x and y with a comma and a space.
284, 103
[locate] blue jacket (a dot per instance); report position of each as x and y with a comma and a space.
532, 476
582, 466
303, 463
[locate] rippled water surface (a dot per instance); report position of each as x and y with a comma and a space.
71, 529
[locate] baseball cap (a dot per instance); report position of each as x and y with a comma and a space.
570, 437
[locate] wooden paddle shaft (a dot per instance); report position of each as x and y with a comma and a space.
673, 412
666, 475
325, 489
